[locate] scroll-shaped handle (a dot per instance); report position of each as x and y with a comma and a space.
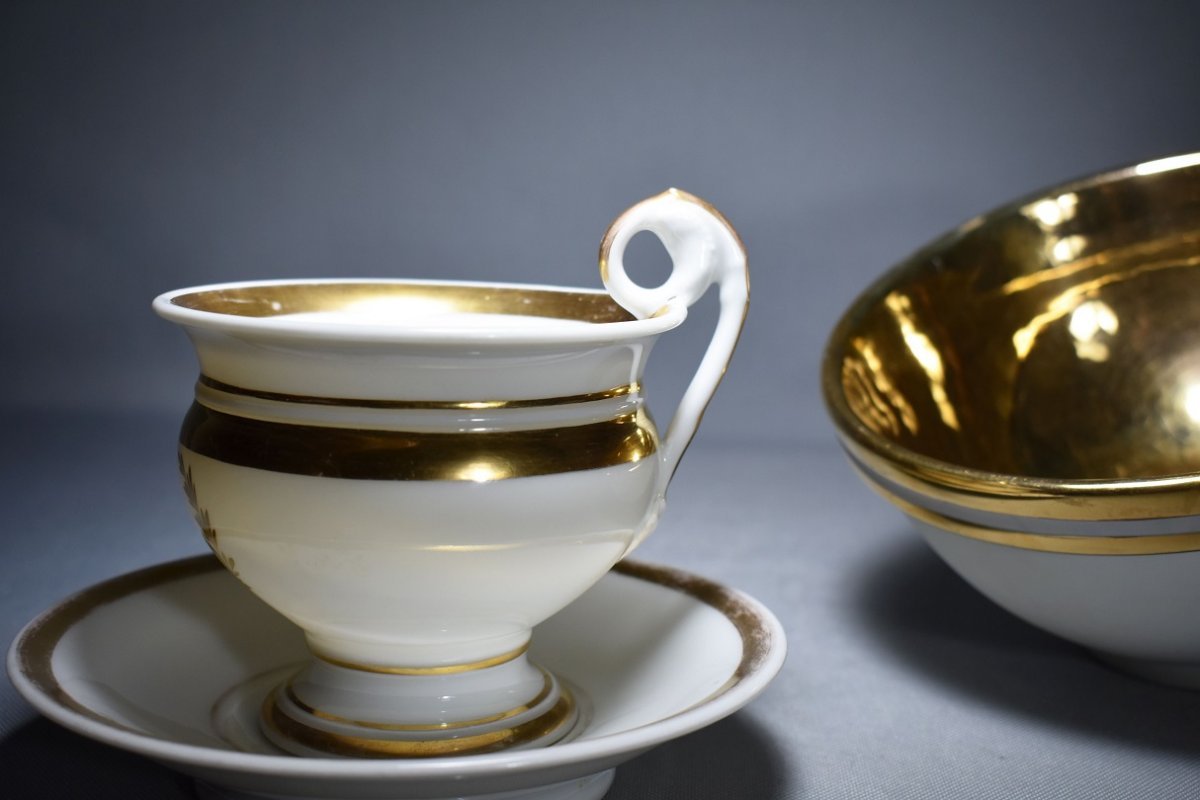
704, 249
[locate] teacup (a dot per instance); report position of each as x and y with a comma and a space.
418, 473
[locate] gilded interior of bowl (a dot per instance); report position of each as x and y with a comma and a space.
374, 300
1056, 339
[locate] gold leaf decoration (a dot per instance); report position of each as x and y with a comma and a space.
202, 519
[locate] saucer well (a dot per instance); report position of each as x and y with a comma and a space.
166, 662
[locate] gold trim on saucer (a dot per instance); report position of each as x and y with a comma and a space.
756, 638
35, 649
337, 744
421, 405
448, 669
36, 645
416, 455
1155, 544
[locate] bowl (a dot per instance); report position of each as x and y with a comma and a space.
1027, 389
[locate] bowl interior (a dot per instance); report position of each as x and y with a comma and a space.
1058, 337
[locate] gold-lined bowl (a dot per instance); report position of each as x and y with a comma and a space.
1027, 389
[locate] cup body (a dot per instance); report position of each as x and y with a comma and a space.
418, 473
421, 473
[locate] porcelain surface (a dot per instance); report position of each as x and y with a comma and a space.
1027, 389
418, 473
171, 662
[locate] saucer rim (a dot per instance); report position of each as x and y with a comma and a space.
763, 654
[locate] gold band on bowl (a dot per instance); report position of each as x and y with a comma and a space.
1042, 542
1082, 501
416, 455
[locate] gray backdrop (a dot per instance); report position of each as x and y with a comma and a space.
158, 144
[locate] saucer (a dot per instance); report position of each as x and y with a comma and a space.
167, 662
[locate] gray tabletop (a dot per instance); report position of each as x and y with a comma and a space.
151, 145
901, 681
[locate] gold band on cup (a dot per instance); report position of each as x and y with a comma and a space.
365, 454
420, 405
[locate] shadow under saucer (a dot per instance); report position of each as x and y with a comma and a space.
936, 624
697, 766
43, 759
733, 758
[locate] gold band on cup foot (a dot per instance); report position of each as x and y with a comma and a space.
301, 730
449, 669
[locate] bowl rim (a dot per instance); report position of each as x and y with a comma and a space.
1149, 497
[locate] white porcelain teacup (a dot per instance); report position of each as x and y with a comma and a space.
417, 473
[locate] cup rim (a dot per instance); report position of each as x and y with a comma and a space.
286, 327
1144, 497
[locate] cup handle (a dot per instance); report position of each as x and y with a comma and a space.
704, 249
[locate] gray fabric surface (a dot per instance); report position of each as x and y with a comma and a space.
901, 681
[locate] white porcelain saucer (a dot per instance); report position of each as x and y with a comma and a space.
151, 662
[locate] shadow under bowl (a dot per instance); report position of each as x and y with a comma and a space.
1027, 389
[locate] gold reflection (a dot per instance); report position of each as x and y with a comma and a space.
483, 471
1049, 274
1067, 249
1054, 211
1168, 164
926, 354
389, 309
1049, 342
1090, 324
872, 394
1191, 402
1065, 303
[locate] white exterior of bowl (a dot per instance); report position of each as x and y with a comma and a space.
1136, 611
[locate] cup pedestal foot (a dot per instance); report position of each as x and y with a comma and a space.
331, 710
